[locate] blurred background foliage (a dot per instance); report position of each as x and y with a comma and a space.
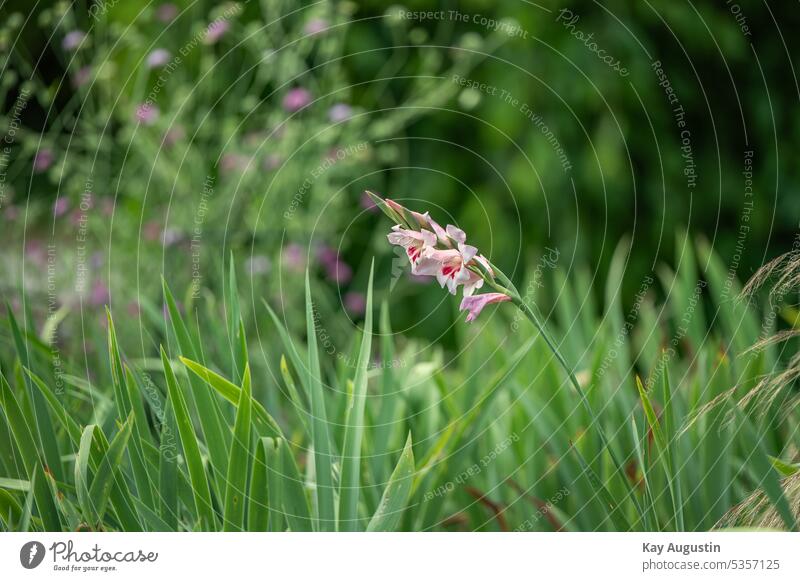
284, 112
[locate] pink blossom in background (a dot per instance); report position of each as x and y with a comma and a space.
151, 230
36, 252
100, 294
72, 40
474, 304
327, 255
294, 257
234, 162
147, 113
296, 99
339, 272
158, 58
340, 112
133, 309
11, 213
82, 77
355, 302
216, 30
315, 26
43, 160
60, 206
171, 236
272, 161
166, 12
107, 207
174, 135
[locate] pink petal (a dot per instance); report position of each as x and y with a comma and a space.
475, 304
456, 234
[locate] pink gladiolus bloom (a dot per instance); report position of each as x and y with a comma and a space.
418, 246
158, 58
475, 304
296, 99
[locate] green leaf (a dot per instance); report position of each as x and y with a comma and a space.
30, 457
326, 519
395, 496
235, 494
101, 484
191, 450
354, 430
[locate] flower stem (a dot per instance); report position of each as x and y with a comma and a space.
526, 309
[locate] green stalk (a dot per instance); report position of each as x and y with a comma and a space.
512, 291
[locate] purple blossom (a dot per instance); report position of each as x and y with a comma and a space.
315, 26
355, 302
72, 40
173, 135
216, 30
272, 161
146, 113
82, 76
296, 99
340, 112
99, 295
43, 160
166, 12
60, 206
327, 256
158, 58
339, 272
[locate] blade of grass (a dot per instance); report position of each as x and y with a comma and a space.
395, 496
326, 517
191, 450
354, 430
240, 455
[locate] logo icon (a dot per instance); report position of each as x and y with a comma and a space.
31, 554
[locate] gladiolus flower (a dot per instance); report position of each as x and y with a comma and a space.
443, 253
475, 304
43, 160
